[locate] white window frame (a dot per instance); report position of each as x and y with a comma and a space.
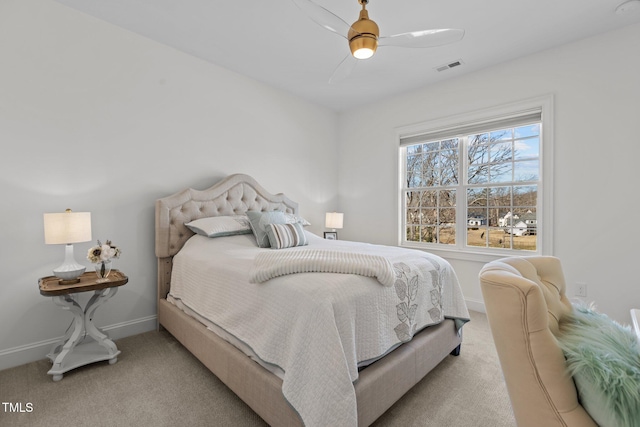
451, 126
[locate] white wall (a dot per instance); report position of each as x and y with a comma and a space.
98, 119
95, 118
597, 105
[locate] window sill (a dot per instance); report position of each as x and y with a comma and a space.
473, 256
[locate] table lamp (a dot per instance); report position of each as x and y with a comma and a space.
67, 228
333, 220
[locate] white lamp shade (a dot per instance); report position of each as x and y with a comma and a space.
333, 220
67, 227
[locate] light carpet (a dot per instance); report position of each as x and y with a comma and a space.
157, 382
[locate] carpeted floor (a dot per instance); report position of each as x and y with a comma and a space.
156, 382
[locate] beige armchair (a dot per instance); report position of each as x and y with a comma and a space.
525, 298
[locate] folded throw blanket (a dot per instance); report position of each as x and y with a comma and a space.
268, 265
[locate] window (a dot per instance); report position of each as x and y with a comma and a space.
477, 186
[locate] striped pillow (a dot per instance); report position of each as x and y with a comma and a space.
286, 235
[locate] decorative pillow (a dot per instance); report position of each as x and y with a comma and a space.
286, 235
219, 226
604, 359
259, 222
292, 219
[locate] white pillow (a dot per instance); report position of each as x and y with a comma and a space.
219, 226
293, 219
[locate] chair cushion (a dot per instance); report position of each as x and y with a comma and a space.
604, 359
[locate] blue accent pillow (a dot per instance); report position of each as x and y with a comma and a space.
604, 359
259, 222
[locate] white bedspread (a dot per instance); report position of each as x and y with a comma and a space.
316, 326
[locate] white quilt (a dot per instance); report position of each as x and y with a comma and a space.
316, 326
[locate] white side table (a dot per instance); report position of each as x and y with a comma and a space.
70, 353
635, 317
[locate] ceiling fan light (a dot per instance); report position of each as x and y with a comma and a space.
363, 53
363, 47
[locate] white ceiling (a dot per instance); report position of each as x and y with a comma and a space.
273, 41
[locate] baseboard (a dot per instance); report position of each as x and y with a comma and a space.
17, 356
475, 305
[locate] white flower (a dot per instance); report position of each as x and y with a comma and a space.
103, 252
107, 253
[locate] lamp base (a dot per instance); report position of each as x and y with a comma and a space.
70, 271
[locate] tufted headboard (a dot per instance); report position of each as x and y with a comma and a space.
234, 195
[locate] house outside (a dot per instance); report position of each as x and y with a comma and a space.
474, 222
527, 224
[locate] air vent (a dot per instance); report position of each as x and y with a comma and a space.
449, 65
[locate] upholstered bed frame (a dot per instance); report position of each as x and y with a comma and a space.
379, 385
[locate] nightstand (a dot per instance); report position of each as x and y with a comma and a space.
83, 343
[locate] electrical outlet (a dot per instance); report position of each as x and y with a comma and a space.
581, 289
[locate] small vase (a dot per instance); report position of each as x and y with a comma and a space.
103, 268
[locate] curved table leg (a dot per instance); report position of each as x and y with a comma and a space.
70, 353
99, 298
60, 352
67, 303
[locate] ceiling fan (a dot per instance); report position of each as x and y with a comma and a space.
364, 35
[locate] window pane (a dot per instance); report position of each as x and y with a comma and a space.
478, 174
482, 138
502, 172
478, 154
526, 148
499, 239
413, 216
500, 196
526, 131
476, 217
432, 146
447, 217
447, 235
447, 198
412, 199
413, 149
501, 152
477, 196
430, 176
449, 167
498, 135
413, 234
428, 234
477, 236
414, 168
451, 144
525, 195
526, 171
430, 216
429, 198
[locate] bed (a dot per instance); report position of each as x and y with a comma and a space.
300, 372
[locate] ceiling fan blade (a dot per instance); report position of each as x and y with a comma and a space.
324, 17
425, 38
343, 69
